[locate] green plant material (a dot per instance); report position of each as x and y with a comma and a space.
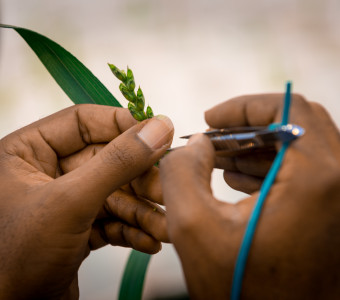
118, 73
138, 115
128, 94
80, 85
140, 102
127, 87
149, 112
130, 82
131, 287
83, 87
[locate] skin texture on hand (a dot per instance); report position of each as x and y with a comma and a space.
73, 182
295, 252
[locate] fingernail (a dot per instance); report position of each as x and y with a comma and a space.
195, 138
157, 132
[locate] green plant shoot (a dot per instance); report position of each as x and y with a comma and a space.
127, 87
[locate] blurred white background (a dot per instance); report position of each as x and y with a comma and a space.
187, 55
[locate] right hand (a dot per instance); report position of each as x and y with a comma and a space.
295, 251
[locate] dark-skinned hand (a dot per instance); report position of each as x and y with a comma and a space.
295, 251
73, 182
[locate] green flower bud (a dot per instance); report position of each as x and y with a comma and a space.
129, 95
140, 93
129, 74
127, 87
140, 102
138, 115
130, 81
130, 84
118, 73
149, 112
131, 106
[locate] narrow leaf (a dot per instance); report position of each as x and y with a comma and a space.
72, 76
131, 287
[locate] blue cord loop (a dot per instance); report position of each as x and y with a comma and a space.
253, 220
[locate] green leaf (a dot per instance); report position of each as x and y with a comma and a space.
73, 77
131, 287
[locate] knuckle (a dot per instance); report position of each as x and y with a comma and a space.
84, 132
115, 234
299, 97
299, 106
300, 101
317, 107
95, 149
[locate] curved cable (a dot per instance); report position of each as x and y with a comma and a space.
253, 220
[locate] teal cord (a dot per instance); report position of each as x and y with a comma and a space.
286, 105
253, 220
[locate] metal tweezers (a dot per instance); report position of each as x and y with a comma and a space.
237, 140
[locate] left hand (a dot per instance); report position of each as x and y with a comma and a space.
59, 200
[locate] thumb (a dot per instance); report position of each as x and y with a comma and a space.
186, 176
124, 158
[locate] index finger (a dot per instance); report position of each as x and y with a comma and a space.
73, 128
249, 110
259, 110
321, 137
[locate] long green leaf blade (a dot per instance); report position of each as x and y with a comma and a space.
131, 287
73, 77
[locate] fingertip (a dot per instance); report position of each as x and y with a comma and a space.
186, 175
162, 233
147, 244
213, 115
207, 115
120, 234
246, 110
166, 121
203, 147
196, 139
157, 132
157, 248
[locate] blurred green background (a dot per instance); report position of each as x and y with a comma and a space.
187, 55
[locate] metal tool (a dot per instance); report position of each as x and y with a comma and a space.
237, 140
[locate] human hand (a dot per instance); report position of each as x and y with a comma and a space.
294, 254
59, 200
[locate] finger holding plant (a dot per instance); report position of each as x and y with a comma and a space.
127, 87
